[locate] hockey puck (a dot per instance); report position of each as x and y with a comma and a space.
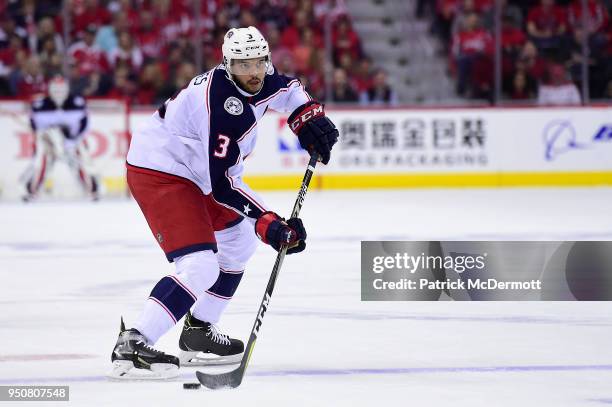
191, 385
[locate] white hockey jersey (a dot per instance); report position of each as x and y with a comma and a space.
70, 117
206, 130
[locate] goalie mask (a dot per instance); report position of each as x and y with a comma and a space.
243, 49
58, 90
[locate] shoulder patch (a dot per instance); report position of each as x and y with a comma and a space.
79, 101
38, 103
233, 106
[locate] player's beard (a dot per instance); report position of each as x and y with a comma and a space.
254, 84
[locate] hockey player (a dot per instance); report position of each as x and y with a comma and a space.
59, 121
185, 172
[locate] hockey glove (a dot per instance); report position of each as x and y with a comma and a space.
315, 131
275, 231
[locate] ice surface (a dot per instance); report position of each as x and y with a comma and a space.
69, 270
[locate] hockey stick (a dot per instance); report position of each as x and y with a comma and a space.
234, 378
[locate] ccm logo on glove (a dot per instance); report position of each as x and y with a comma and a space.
310, 112
316, 133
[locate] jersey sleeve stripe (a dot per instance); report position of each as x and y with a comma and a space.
207, 96
247, 132
243, 193
285, 89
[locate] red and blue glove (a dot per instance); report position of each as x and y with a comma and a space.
275, 231
314, 130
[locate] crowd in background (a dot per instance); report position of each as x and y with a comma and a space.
541, 45
144, 50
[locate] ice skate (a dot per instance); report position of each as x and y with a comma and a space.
133, 359
202, 344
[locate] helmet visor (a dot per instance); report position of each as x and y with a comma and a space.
249, 66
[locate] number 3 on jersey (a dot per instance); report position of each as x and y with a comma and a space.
221, 150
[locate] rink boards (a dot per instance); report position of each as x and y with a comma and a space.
486, 147
378, 148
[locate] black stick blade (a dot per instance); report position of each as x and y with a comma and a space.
218, 381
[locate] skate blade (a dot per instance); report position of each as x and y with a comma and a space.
207, 359
125, 370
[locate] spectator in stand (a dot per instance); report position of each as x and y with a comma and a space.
222, 25
512, 41
608, 92
20, 58
530, 62
8, 29
345, 40
185, 73
574, 62
347, 63
185, 44
307, 6
124, 7
597, 26
87, 13
484, 6
269, 14
547, 25
302, 53
467, 8
380, 93
290, 37
329, 8
150, 83
175, 19
88, 56
316, 78
123, 84
8, 62
149, 37
278, 50
127, 52
153, 39
557, 89
362, 77
509, 12
93, 84
26, 17
446, 11
29, 80
247, 19
286, 65
523, 87
596, 20
232, 9
51, 59
46, 30
107, 37
599, 69
512, 38
472, 46
342, 91
169, 66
